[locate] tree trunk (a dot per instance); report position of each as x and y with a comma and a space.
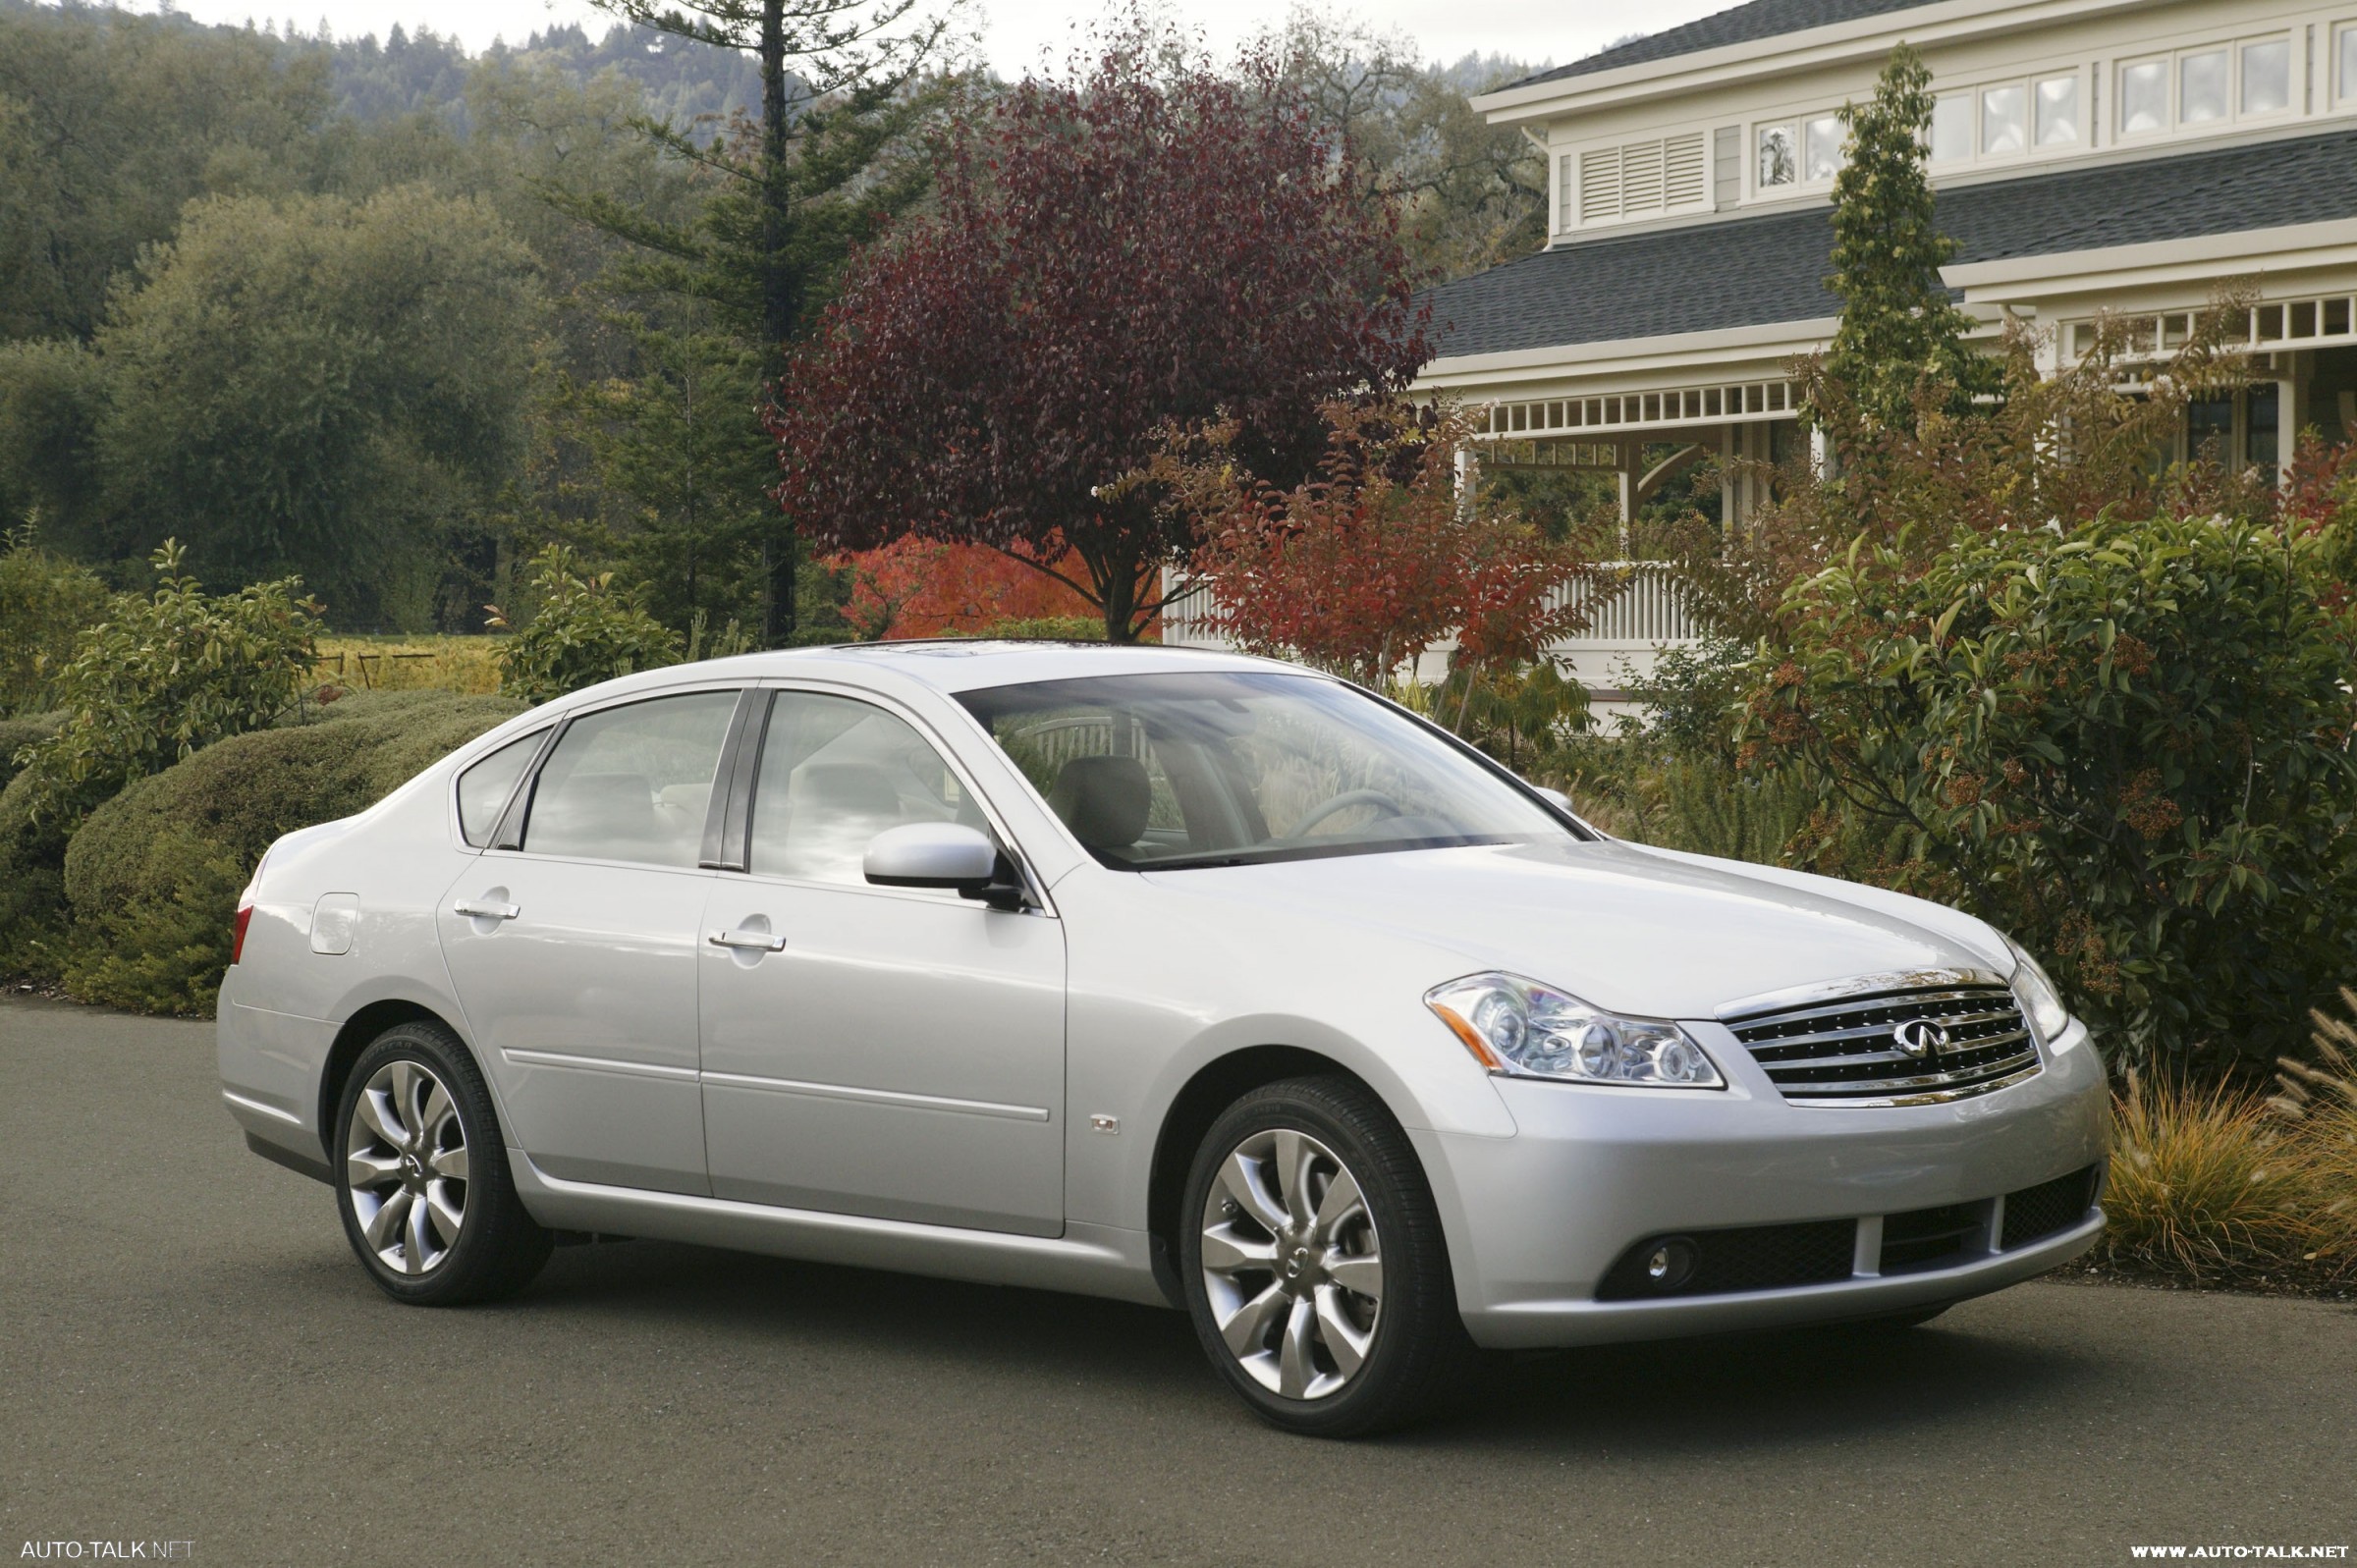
781, 302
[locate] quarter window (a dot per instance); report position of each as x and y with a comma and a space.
2003, 120
1822, 147
834, 774
1951, 128
2201, 87
2267, 77
2059, 111
484, 789
632, 782
2142, 97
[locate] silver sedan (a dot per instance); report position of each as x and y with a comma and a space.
1158, 974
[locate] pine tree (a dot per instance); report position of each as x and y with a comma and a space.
1902, 333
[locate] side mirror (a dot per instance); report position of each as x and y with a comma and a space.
931, 854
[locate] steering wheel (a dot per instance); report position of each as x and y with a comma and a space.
1341, 803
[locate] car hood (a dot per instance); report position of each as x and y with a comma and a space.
1634, 930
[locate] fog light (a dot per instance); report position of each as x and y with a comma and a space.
1670, 1263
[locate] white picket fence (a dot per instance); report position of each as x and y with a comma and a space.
1634, 610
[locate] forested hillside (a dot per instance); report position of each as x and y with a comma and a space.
395, 316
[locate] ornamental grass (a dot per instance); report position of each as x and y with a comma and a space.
2212, 1184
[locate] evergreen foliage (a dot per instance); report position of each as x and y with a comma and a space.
1901, 334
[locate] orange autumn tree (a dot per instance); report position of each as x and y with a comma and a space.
1376, 557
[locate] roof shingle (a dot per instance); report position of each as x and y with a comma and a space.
1745, 24
1754, 271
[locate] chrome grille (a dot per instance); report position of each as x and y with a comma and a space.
1842, 1046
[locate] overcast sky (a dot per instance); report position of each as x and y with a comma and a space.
1014, 32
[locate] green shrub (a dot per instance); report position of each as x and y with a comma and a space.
44, 601
163, 675
152, 876
585, 631
2124, 742
32, 896
23, 731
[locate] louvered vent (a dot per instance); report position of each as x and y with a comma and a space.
1688, 171
1600, 184
1639, 178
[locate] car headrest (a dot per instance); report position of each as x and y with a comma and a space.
1104, 800
851, 789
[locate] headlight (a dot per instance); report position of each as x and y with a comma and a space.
1521, 1027
2039, 999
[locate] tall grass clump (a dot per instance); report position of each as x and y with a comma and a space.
2320, 1098
2209, 1183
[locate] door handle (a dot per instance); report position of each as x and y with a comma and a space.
750, 941
485, 911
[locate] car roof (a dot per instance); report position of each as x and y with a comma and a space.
965, 664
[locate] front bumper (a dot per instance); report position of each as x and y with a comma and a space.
1536, 1221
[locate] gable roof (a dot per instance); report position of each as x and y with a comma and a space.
1745, 23
1756, 271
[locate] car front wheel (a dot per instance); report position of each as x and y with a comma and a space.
1314, 1265
423, 1180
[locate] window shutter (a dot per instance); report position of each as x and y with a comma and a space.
1688, 171
1600, 184
1641, 177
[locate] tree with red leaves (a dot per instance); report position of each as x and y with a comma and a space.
1156, 242
1376, 557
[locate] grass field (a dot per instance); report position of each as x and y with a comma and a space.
410, 664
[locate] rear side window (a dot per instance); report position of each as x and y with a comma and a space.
632, 782
483, 789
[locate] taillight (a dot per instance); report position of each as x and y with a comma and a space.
244, 915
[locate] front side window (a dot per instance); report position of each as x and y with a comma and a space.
2143, 96
484, 789
835, 772
2201, 87
632, 783
2059, 111
1951, 128
1168, 771
2267, 77
1822, 147
2003, 120
1780, 163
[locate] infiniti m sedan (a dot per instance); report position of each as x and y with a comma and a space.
1151, 973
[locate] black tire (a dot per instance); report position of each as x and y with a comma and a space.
499, 1247
1420, 1354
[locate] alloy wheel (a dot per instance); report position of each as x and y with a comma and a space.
406, 1162
1292, 1263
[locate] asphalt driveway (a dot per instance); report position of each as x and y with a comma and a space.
189, 1354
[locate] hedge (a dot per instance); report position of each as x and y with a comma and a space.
154, 875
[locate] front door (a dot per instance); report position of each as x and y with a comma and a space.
892, 1052
574, 955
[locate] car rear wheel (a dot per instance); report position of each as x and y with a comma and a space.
1314, 1265
422, 1178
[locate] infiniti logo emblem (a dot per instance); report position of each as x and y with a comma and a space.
1921, 1038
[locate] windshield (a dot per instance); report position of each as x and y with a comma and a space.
1161, 772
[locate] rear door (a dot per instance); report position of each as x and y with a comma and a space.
894, 1053
572, 943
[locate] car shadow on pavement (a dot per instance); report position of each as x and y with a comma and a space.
1729, 1392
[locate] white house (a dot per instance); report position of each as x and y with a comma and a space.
2090, 155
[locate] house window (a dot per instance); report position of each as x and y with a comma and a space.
2267, 77
2003, 120
1951, 125
2263, 421
1780, 164
2058, 112
1641, 177
2210, 429
2201, 87
2349, 62
2142, 97
1821, 147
